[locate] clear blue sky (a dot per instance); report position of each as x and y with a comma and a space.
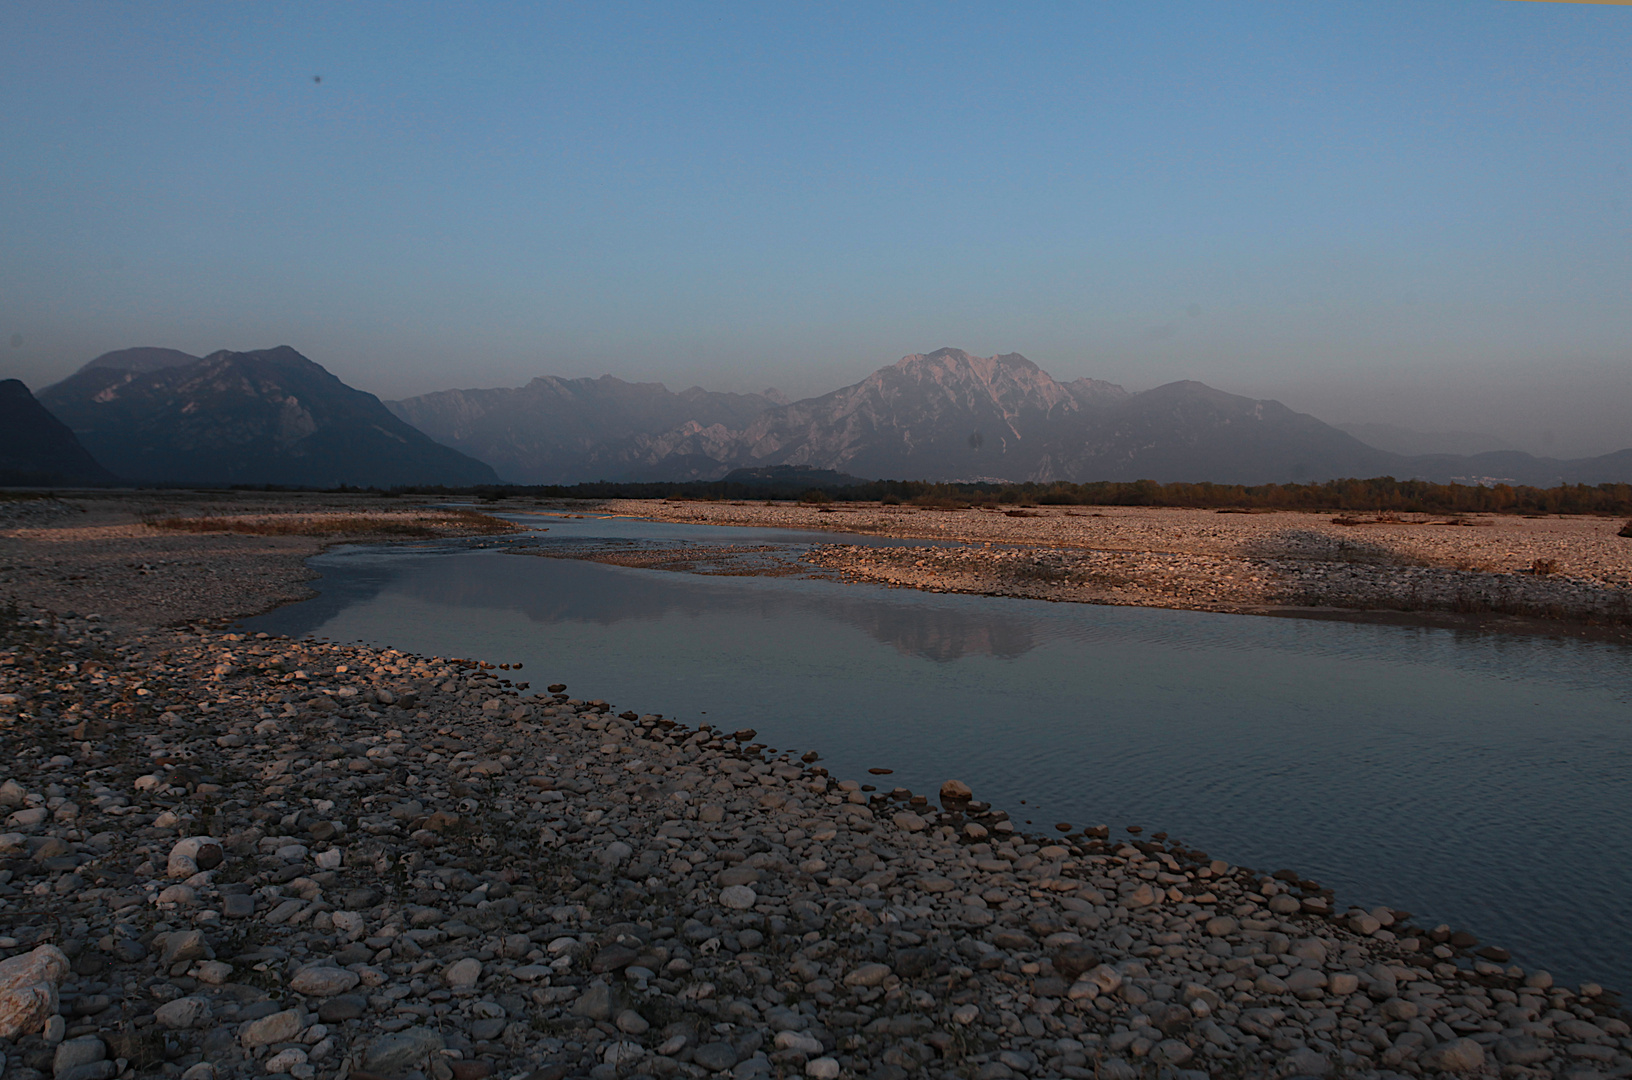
1409, 212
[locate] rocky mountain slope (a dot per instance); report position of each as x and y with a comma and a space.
265, 417
1189, 431
38, 449
948, 416
937, 416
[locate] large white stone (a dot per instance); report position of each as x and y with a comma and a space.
463, 973
325, 981
183, 861
867, 975
279, 1027
28, 990
183, 1013
798, 1040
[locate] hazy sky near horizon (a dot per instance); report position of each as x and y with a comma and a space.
1407, 213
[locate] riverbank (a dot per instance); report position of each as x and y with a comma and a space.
1486, 571
159, 558
423, 873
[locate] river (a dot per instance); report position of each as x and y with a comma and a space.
1478, 780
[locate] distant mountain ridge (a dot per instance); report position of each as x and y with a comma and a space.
265, 417
1399, 440
944, 415
142, 360
555, 430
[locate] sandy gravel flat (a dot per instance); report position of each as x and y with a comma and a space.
1573, 570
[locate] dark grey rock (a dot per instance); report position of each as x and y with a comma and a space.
715, 1056
341, 1008
128, 950
395, 1054
596, 1002
257, 1009
77, 1052
95, 1070
487, 1029
184, 946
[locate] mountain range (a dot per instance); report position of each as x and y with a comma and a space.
944, 415
265, 417
275, 417
560, 431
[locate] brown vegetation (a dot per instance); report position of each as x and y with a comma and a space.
421, 524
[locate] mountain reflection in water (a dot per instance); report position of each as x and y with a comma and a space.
566, 590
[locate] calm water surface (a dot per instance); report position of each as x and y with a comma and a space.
1479, 780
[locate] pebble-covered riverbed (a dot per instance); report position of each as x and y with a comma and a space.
1561, 571
265, 857
1223, 583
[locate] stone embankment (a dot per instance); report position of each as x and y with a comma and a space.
1565, 570
247, 856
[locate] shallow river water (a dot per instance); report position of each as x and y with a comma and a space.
1480, 780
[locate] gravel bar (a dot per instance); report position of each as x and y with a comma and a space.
1493, 571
